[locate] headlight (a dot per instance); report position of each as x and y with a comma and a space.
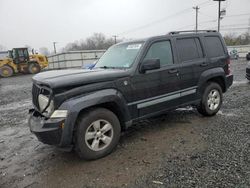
43, 102
59, 114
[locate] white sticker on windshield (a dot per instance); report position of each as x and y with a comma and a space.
134, 47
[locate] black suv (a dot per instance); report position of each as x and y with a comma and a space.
87, 109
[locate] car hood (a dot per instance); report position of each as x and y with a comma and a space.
77, 77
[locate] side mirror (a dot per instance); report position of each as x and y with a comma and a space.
150, 64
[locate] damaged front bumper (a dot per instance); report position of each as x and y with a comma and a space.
48, 131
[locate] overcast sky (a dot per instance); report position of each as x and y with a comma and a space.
40, 22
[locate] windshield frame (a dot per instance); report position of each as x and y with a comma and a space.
134, 60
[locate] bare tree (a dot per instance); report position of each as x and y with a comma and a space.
232, 39
97, 41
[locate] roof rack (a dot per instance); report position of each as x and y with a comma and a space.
190, 31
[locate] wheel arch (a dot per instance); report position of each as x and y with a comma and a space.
113, 107
219, 80
216, 75
110, 99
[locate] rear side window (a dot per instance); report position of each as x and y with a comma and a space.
161, 50
214, 46
189, 49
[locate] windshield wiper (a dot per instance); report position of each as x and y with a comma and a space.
107, 67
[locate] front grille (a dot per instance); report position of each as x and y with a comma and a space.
36, 91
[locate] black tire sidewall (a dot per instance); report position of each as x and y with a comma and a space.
36, 65
9, 68
204, 109
84, 122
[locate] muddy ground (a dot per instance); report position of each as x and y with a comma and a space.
178, 149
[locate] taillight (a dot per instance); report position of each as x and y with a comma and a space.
228, 62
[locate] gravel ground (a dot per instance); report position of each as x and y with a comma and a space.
178, 149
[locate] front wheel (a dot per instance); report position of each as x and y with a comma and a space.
6, 71
34, 68
211, 100
97, 133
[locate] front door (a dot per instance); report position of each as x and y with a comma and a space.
156, 90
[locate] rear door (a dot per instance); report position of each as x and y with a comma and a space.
215, 52
192, 60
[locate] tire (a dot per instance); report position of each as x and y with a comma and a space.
6, 71
34, 68
211, 100
103, 130
248, 57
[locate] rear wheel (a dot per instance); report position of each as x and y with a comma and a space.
97, 134
6, 71
34, 68
211, 99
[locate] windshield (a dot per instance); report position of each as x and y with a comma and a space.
119, 56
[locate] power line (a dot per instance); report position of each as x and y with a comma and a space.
235, 15
155, 22
233, 28
234, 25
205, 14
208, 21
161, 20
204, 2
236, 28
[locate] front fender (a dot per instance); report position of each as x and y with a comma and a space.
76, 105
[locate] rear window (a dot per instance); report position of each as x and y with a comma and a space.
189, 49
214, 46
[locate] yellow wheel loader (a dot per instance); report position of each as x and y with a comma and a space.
19, 61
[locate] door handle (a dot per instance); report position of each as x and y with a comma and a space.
204, 64
172, 71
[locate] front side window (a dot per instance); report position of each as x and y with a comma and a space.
161, 50
119, 56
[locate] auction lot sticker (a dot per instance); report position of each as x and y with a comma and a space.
134, 47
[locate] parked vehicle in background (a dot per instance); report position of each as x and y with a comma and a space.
248, 71
19, 61
87, 109
248, 56
234, 54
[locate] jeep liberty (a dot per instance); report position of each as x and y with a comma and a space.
86, 110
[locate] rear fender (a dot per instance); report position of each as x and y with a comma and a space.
210, 74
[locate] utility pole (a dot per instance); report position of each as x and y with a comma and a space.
54, 44
196, 19
219, 13
249, 26
115, 36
